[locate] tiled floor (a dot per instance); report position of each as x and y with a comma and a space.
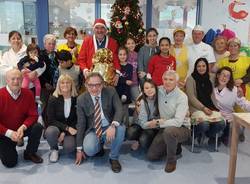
203, 168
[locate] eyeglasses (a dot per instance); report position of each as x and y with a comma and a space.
225, 75
97, 85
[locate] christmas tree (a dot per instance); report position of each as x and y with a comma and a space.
126, 21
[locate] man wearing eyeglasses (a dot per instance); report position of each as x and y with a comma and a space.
99, 112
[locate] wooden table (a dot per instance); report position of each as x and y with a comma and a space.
242, 119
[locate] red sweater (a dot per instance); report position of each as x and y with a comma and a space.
14, 113
158, 65
88, 50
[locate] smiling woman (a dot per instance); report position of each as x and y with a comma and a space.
62, 118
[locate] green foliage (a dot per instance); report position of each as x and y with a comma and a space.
126, 21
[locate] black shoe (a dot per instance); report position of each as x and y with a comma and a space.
115, 165
32, 157
100, 153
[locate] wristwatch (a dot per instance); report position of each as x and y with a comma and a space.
157, 124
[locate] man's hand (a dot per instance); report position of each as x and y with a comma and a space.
115, 80
79, 157
61, 137
14, 136
110, 133
20, 131
152, 124
72, 131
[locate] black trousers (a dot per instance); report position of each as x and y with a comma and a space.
144, 136
8, 152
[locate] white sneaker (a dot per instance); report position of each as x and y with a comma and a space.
54, 155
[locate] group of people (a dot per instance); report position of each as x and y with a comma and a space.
171, 85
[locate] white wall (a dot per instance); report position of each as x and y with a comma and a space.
215, 13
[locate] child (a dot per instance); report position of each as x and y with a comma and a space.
132, 59
27, 65
146, 52
161, 62
146, 112
125, 81
67, 67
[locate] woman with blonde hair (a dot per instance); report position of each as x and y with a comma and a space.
62, 119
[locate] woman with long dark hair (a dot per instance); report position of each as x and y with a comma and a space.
148, 111
199, 89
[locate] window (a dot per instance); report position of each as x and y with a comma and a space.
79, 14
169, 14
17, 15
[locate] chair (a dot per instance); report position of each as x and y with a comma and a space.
216, 137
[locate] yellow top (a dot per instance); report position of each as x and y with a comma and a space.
239, 69
64, 46
181, 57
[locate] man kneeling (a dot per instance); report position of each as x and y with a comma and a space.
99, 113
18, 118
173, 107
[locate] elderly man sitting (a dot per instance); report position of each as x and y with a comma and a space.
173, 107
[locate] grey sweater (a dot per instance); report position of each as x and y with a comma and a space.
143, 117
144, 55
173, 107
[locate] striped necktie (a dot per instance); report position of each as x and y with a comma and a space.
98, 127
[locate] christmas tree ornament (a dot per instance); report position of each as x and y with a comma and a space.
118, 25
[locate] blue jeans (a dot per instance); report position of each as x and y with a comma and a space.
92, 145
209, 129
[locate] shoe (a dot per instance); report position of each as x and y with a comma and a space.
170, 167
242, 137
20, 143
115, 166
100, 153
54, 155
32, 157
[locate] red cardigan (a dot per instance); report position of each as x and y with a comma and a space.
158, 65
88, 50
14, 113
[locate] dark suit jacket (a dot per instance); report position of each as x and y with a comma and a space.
111, 106
55, 113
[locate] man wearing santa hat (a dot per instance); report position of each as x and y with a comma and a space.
91, 44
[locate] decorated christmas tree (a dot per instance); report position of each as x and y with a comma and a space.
126, 21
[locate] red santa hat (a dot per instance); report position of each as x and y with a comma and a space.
100, 22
